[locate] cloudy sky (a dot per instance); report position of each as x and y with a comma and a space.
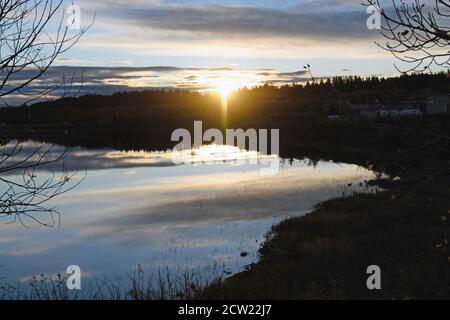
135, 44
331, 35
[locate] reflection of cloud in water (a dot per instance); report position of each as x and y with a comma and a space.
96, 159
82, 159
36, 249
132, 208
215, 199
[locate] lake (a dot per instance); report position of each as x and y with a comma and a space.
208, 213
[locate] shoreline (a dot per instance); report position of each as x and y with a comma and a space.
325, 254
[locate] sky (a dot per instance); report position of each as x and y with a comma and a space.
331, 35
195, 44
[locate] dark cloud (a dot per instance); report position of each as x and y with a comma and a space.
234, 21
292, 74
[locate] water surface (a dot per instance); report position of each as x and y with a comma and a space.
139, 208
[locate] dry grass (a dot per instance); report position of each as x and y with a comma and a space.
137, 286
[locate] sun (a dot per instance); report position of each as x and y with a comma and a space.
225, 86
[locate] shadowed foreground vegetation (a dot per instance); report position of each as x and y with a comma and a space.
136, 285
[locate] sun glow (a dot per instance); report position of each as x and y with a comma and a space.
225, 86
226, 81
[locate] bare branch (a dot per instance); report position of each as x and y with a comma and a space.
31, 39
417, 32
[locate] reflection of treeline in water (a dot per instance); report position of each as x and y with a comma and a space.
256, 107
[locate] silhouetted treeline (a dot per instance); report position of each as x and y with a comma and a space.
259, 106
320, 96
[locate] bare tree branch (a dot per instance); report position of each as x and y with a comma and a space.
417, 32
23, 191
32, 36
31, 39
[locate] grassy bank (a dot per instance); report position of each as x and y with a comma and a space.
325, 255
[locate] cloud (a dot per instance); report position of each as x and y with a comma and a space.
259, 30
334, 20
107, 80
67, 60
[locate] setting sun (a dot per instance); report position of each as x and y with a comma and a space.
225, 86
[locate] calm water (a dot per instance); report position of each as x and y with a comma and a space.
138, 208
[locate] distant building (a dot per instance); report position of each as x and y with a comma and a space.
438, 104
